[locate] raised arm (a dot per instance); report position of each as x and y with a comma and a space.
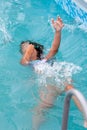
57, 38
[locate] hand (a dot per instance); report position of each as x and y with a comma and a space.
58, 24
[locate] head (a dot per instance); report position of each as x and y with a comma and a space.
39, 48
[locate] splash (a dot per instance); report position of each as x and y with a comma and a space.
83, 27
78, 25
57, 74
6, 35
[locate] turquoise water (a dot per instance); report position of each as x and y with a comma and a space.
21, 20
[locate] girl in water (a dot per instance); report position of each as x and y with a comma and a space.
33, 51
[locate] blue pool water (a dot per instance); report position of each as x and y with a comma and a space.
22, 20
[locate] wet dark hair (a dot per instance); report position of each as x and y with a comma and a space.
39, 48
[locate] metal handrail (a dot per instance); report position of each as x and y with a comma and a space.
83, 103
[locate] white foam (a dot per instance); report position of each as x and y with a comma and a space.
6, 35
83, 27
57, 74
72, 27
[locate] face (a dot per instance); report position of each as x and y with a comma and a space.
38, 49
24, 46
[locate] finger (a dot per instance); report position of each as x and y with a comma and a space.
60, 23
60, 20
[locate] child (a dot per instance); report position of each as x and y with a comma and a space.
33, 51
